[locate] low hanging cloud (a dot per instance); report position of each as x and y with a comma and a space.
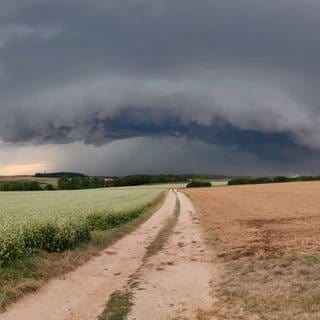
104, 115
242, 74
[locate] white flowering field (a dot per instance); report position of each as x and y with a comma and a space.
57, 220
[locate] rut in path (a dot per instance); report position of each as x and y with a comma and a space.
82, 294
176, 283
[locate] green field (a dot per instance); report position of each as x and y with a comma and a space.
58, 220
219, 182
55, 221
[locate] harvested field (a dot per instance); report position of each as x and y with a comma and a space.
262, 220
267, 242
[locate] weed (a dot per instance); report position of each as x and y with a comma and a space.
118, 306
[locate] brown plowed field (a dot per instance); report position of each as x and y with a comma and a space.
262, 220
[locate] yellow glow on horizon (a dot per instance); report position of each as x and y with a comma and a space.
22, 169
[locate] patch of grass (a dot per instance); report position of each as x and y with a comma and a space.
277, 288
118, 306
158, 243
311, 302
29, 273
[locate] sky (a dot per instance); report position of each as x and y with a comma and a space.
116, 87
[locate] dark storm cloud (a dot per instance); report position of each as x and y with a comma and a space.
162, 37
171, 115
239, 73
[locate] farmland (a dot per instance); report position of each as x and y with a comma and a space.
267, 242
42, 181
258, 246
58, 220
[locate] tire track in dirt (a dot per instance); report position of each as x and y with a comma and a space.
176, 283
82, 294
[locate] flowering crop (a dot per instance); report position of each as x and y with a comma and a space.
58, 220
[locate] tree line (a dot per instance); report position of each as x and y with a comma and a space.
261, 180
135, 180
59, 174
20, 186
79, 181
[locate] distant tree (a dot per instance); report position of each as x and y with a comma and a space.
76, 183
198, 181
63, 183
96, 182
198, 176
34, 185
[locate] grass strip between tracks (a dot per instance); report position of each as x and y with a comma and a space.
120, 302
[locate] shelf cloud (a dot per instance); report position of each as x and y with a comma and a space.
241, 75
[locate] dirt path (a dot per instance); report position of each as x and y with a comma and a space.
175, 283
82, 294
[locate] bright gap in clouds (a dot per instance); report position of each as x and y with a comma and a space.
23, 169
26, 159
